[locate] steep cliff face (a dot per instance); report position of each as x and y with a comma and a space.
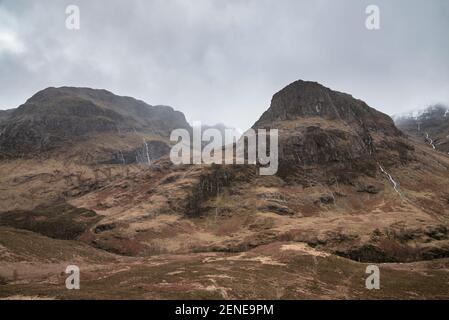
430, 125
4, 115
343, 135
304, 99
57, 117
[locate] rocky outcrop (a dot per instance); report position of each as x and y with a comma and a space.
59, 221
212, 182
4, 115
304, 99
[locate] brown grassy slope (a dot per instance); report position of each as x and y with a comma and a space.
170, 214
151, 212
276, 271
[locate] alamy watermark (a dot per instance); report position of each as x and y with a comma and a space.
372, 21
72, 21
253, 147
73, 280
372, 282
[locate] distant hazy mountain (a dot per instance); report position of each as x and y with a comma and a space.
430, 124
223, 129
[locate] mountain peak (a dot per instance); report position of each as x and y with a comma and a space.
319, 126
53, 117
305, 99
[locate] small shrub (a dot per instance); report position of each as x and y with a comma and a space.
398, 251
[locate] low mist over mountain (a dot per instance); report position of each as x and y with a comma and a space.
430, 125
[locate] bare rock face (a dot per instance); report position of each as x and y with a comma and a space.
156, 149
304, 99
4, 115
56, 117
340, 134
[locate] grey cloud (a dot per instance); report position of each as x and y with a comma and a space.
221, 61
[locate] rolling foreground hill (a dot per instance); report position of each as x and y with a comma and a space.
351, 190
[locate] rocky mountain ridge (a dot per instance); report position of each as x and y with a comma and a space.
319, 126
59, 118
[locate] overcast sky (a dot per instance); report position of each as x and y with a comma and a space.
222, 60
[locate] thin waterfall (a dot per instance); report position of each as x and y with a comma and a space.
430, 141
394, 183
122, 157
147, 151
